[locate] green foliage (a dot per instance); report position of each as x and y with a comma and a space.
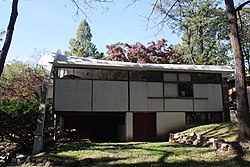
203, 25
18, 121
19, 102
20, 82
81, 45
244, 31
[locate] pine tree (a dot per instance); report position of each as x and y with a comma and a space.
81, 45
203, 26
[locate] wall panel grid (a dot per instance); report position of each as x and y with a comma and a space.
110, 96
72, 95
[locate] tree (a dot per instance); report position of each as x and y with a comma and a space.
20, 82
156, 52
9, 34
81, 45
12, 21
203, 26
240, 79
19, 102
244, 32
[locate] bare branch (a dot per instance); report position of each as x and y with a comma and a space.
78, 8
242, 5
132, 3
166, 15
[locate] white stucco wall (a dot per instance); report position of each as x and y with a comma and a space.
50, 91
129, 126
168, 122
178, 105
143, 96
110, 96
170, 89
72, 95
212, 95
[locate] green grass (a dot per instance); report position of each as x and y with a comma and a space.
143, 154
227, 131
151, 153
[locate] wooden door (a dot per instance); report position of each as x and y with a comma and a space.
144, 126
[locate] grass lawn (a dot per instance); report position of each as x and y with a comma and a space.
149, 153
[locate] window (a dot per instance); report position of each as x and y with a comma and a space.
194, 118
146, 76
110, 75
206, 78
185, 89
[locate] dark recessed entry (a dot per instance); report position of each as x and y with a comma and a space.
144, 126
95, 126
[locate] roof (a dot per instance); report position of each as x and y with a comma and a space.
79, 62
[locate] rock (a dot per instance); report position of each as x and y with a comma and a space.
48, 163
28, 159
171, 137
245, 146
197, 142
20, 156
2, 161
193, 136
176, 136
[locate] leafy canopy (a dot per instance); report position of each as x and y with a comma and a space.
20, 82
203, 26
156, 52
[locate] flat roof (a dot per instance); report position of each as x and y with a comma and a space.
79, 62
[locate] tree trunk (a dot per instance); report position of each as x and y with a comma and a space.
243, 114
9, 34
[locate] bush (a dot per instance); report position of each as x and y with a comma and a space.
18, 121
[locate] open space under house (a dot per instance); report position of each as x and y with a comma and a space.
122, 101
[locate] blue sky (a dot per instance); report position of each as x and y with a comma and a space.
45, 25
49, 24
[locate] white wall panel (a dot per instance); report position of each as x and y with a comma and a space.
169, 122
170, 89
212, 92
155, 105
110, 96
138, 96
143, 96
154, 89
129, 126
72, 95
178, 105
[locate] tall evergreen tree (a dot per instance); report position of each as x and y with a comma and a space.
203, 26
81, 45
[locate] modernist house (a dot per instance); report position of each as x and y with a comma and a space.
136, 102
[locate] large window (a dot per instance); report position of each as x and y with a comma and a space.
110, 75
196, 118
206, 78
146, 76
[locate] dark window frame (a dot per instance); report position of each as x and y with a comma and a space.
148, 76
200, 118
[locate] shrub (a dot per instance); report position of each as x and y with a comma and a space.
18, 121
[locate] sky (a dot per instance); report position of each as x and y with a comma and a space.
46, 25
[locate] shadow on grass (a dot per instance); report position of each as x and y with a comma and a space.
216, 133
111, 156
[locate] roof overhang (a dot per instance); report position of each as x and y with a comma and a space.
62, 61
